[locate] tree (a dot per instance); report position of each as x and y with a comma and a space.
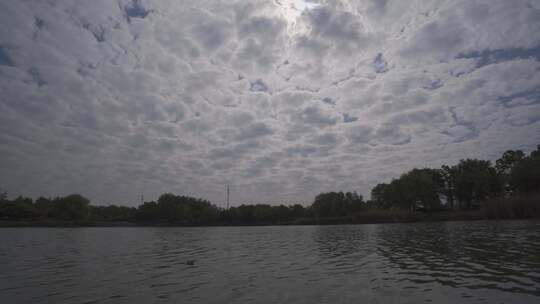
179, 210
44, 206
17, 209
419, 189
447, 186
524, 176
3, 196
474, 180
505, 165
112, 213
169, 207
73, 207
379, 196
337, 204
508, 160
148, 211
298, 211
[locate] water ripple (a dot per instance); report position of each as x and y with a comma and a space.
398, 263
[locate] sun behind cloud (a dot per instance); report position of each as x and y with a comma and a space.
291, 10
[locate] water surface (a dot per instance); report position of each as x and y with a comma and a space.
461, 262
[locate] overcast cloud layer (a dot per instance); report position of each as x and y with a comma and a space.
281, 99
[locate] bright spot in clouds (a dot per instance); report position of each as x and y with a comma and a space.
291, 10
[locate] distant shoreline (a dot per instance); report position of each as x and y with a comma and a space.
386, 217
473, 189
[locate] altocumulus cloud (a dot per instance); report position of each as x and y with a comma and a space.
280, 99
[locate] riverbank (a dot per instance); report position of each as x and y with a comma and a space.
370, 217
66, 224
518, 207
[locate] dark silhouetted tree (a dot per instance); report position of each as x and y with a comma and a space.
3, 196
447, 186
417, 189
524, 175
112, 213
44, 207
17, 209
147, 212
332, 204
472, 181
73, 207
505, 165
380, 196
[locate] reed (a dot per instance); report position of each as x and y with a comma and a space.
515, 207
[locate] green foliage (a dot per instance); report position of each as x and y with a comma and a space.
19, 208
381, 196
472, 181
506, 164
508, 160
337, 204
264, 214
417, 189
524, 176
178, 209
148, 211
420, 189
447, 186
44, 207
112, 213
74, 207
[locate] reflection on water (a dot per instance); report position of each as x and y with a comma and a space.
490, 262
481, 260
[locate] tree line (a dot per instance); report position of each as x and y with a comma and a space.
468, 185
464, 186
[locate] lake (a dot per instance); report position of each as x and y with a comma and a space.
454, 262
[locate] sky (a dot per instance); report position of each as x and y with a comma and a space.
280, 99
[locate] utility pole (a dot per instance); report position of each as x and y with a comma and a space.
227, 196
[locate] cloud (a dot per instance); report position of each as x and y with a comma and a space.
266, 29
326, 139
254, 130
5, 59
391, 134
135, 9
115, 98
348, 118
437, 40
211, 34
379, 64
330, 24
36, 77
360, 134
488, 56
258, 86
317, 117
329, 101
